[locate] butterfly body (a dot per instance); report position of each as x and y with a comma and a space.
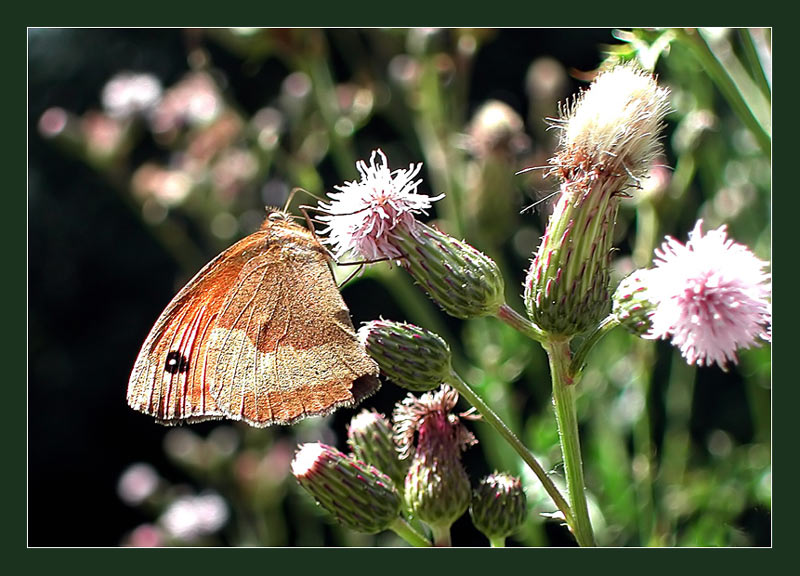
260, 334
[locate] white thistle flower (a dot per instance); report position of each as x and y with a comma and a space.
365, 216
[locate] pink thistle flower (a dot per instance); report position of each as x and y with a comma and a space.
437, 488
711, 296
365, 216
429, 418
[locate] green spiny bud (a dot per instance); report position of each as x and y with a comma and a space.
630, 304
357, 494
371, 438
463, 281
437, 488
411, 357
498, 506
609, 137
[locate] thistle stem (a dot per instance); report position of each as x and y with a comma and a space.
497, 542
579, 359
564, 402
407, 532
494, 420
520, 324
441, 536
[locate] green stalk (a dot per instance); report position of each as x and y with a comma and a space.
643, 447
578, 361
520, 324
497, 542
564, 401
408, 533
729, 89
754, 61
492, 419
441, 536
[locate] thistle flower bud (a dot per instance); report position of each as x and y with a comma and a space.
463, 281
358, 495
371, 438
630, 304
498, 505
411, 357
609, 137
437, 488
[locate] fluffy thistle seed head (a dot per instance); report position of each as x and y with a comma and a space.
608, 137
612, 127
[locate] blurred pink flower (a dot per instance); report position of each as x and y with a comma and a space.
711, 296
137, 483
364, 216
144, 536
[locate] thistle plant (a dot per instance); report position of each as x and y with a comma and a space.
371, 438
609, 138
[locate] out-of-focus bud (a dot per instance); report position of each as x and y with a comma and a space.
630, 304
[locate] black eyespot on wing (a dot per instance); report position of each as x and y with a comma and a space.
176, 362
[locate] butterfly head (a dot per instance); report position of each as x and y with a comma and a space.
276, 215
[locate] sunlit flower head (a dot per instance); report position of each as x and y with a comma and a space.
365, 215
711, 296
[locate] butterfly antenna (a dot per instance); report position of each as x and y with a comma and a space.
309, 220
294, 191
362, 262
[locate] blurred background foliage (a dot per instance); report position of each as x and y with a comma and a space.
152, 150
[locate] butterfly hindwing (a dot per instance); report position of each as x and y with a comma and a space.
283, 346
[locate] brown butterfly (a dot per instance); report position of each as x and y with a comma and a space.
260, 334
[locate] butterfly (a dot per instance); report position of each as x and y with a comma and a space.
260, 334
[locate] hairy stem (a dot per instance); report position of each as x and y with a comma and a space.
564, 402
494, 420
